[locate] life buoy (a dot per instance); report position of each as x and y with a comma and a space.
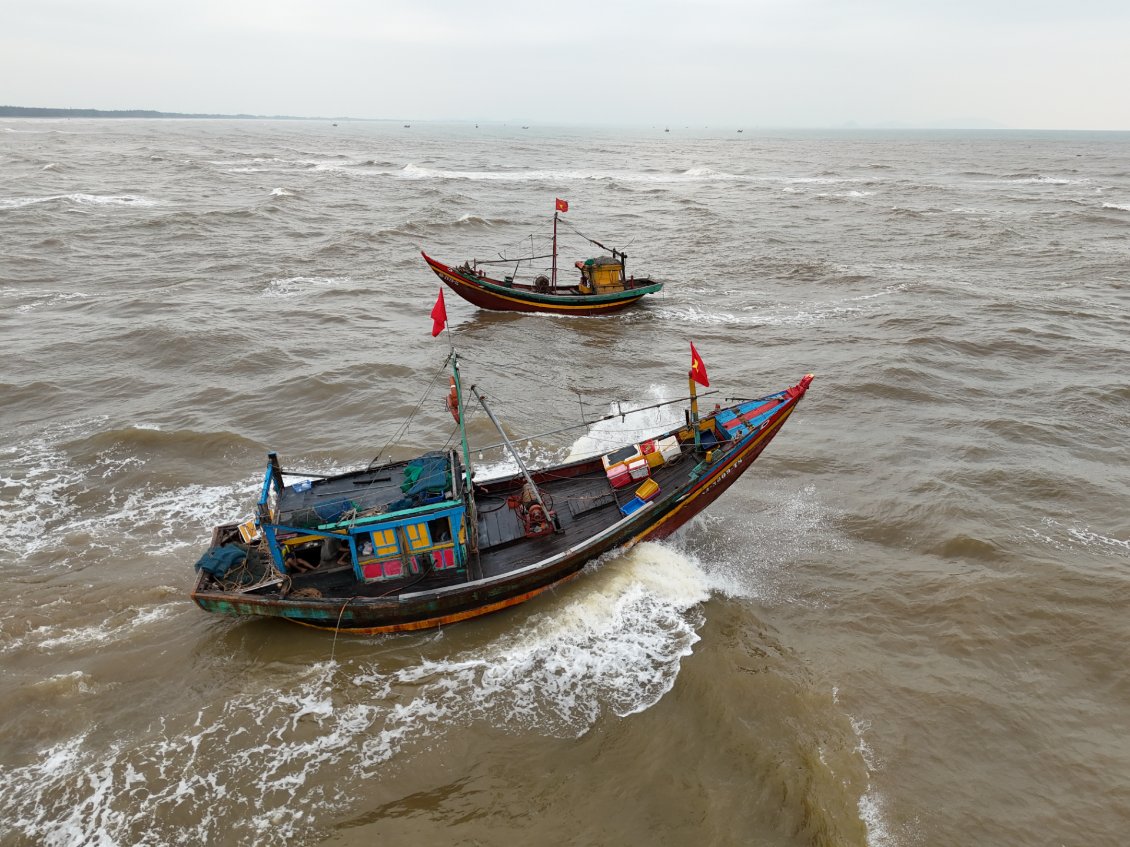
453, 400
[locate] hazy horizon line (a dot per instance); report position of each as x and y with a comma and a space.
978, 124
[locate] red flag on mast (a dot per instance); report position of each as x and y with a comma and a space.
562, 205
439, 315
698, 368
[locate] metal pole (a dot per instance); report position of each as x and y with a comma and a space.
510, 447
472, 534
694, 409
553, 281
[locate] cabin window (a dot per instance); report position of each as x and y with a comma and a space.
408, 549
418, 536
440, 530
385, 543
379, 552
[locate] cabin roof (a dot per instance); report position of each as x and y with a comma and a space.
431, 478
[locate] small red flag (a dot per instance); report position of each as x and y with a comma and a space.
439, 315
562, 205
698, 368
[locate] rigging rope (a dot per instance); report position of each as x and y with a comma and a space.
403, 429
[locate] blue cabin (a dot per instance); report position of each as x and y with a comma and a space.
390, 522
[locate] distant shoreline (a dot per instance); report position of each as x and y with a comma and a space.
948, 127
42, 112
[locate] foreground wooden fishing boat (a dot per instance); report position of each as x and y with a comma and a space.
418, 544
602, 286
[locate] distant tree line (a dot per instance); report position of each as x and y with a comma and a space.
39, 112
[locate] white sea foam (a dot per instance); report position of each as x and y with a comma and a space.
817, 180
50, 298
79, 199
751, 554
701, 317
634, 425
871, 803
281, 192
416, 172
254, 766
1060, 536
817, 313
1041, 180
117, 628
65, 684
256, 160
612, 646
39, 484
1123, 207
39, 131
299, 286
1088, 537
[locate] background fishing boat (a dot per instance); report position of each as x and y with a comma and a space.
601, 286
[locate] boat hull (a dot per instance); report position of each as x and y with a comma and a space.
498, 297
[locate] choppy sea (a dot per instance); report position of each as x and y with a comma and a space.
905, 625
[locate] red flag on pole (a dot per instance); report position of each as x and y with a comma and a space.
562, 205
698, 368
439, 315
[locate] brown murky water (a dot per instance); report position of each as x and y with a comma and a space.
906, 625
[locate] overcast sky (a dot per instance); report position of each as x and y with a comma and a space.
770, 63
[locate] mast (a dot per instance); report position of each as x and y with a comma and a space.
694, 410
510, 447
473, 519
553, 277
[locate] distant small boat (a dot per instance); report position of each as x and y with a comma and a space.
667, 130
416, 544
603, 284
407, 126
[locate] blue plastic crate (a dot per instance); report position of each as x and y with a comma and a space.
633, 505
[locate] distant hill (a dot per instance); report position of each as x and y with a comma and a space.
39, 112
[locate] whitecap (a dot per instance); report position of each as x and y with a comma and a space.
79, 199
297, 286
50, 298
416, 172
